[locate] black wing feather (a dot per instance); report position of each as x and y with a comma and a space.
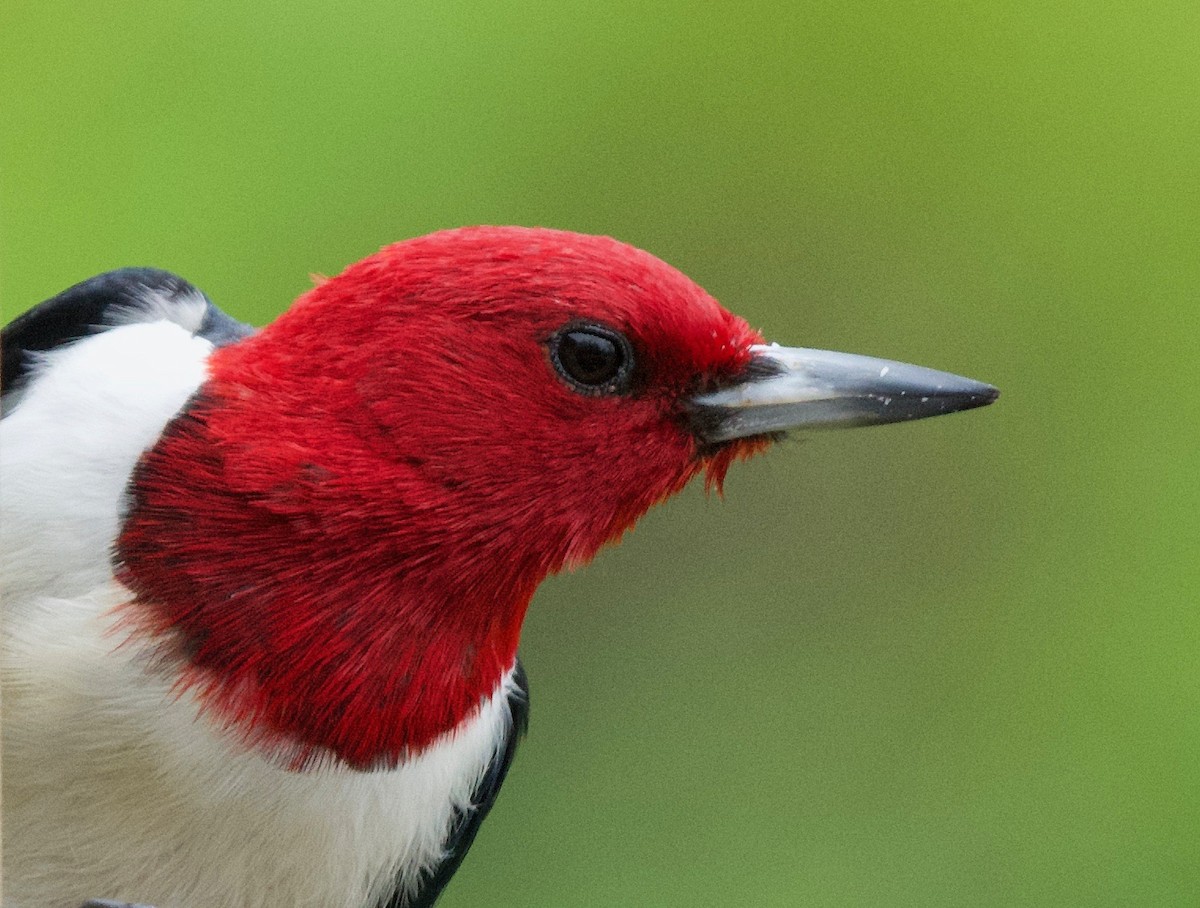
467, 824
107, 301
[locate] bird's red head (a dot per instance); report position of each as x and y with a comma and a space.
337, 541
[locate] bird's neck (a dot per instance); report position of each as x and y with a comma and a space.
319, 604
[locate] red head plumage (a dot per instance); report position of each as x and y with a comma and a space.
338, 539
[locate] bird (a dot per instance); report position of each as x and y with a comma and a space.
263, 588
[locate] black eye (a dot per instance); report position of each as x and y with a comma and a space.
592, 358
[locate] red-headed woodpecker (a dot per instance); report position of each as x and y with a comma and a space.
263, 589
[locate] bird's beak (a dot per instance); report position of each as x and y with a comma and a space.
797, 388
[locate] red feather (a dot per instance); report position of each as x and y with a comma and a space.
337, 541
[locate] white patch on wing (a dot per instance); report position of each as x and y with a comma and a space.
89, 411
114, 788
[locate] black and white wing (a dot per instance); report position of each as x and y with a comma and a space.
110, 300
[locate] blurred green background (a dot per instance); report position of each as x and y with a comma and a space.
950, 663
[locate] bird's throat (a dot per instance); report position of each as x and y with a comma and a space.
312, 617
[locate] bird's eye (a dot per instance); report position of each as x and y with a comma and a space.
592, 359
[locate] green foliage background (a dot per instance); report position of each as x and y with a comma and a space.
950, 663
